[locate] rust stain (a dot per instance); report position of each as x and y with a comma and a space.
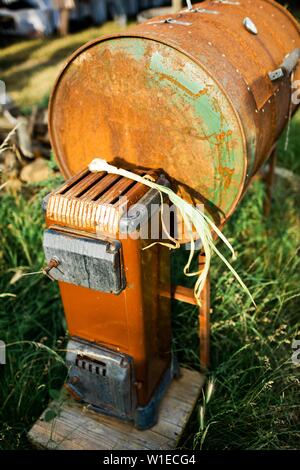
223, 135
226, 174
164, 76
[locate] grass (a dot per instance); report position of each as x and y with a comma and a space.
290, 158
254, 402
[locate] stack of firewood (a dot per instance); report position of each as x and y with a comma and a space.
25, 157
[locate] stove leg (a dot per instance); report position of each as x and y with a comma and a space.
269, 181
204, 320
185, 294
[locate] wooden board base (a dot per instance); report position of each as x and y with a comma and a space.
79, 428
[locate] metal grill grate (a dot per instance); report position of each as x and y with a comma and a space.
94, 202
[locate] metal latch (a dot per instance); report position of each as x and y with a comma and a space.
226, 2
287, 67
201, 10
170, 21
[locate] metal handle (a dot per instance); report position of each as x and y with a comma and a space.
53, 263
287, 67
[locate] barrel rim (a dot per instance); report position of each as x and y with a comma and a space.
286, 12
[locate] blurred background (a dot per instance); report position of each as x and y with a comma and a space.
36, 18
49, 17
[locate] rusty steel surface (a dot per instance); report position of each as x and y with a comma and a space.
191, 97
137, 321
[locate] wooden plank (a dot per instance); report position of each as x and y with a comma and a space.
180, 293
78, 428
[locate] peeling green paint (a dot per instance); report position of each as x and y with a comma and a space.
193, 92
135, 47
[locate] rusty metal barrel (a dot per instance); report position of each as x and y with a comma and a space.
203, 94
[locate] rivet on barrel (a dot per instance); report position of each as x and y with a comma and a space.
250, 26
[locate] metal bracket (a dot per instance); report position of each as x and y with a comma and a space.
226, 2
201, 10
287, 67
171, 21
276, 74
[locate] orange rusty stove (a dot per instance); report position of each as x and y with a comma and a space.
118, 316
